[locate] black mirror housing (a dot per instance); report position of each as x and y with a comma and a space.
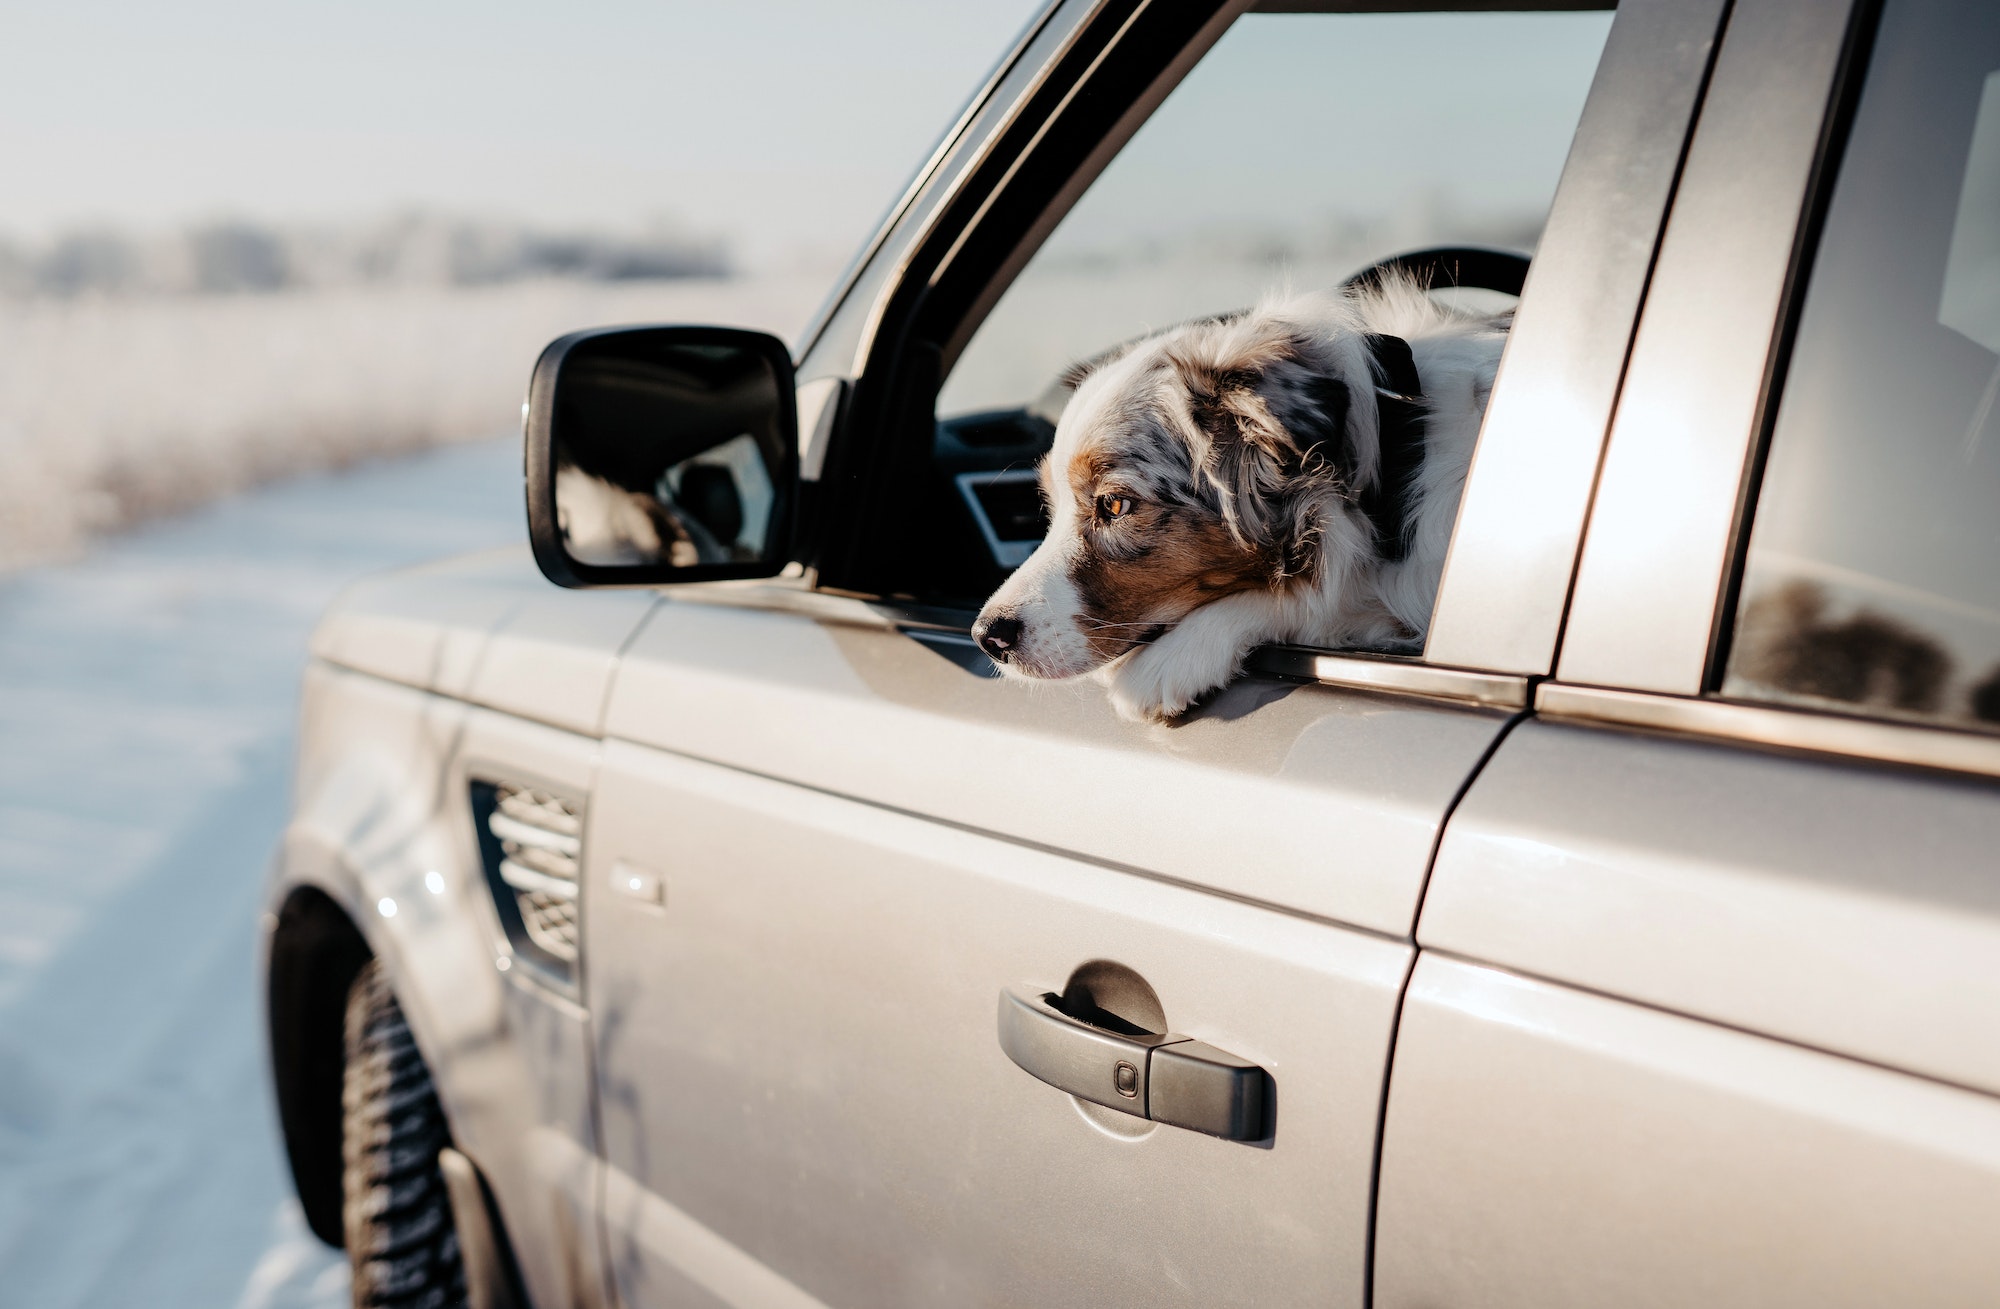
661, 454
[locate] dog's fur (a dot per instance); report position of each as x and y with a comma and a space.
1204, 497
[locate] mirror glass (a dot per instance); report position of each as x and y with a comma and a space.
668, 451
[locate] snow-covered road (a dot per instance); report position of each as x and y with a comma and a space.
147, 705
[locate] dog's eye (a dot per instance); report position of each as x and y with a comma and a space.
1115, 506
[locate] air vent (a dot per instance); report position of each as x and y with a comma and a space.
531, 842
1008, 508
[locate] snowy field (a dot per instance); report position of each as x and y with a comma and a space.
148, 695
117, 410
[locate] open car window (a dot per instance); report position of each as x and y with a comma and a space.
1301, 150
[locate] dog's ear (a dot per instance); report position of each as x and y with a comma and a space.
1318, 419
1073, 376
1264, 470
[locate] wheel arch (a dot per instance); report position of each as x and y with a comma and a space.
315, 953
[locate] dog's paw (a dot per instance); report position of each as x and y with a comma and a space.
1159, 682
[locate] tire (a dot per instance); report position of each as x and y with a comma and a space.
396, 1214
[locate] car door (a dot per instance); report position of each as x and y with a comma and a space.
835, 869
1704, 1013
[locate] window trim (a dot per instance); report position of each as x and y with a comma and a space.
1603, 689
1398, 676
1658, 565
960, 131
1521, 521
986, 209
1772, 726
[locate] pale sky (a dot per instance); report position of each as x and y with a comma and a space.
1301, 116
780, 123
785, 126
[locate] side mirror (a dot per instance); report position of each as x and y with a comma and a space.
661, 454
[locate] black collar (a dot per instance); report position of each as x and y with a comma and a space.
1399, 408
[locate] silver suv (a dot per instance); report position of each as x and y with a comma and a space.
719, 930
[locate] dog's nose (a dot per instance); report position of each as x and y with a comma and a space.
997, 636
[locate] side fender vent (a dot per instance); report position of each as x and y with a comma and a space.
531, 844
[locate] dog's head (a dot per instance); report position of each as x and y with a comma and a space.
1214, 458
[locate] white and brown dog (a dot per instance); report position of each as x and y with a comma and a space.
1288, 474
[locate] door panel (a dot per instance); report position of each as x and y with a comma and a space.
553, 657
801, 1078
1837, 904
1546, 1148
1314, 799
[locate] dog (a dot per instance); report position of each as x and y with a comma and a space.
691, 514
1291, 473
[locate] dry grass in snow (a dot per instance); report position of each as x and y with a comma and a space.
116, 410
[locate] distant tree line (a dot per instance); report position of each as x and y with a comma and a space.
236, 257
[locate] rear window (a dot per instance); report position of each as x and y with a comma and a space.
1872, 578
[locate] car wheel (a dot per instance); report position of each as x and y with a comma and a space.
401, 1241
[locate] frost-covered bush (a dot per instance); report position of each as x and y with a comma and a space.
232, 257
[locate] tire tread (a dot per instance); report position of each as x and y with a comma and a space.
401, 1241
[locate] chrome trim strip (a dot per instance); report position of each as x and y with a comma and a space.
550, 940
528, 881
818, 407
513, 829
1397, 676
1791, 729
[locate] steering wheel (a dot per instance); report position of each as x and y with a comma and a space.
1473, 267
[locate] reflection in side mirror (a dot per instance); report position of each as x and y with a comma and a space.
661, 454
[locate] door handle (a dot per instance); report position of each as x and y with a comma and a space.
1168, 1079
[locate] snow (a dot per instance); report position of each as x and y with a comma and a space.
148, 693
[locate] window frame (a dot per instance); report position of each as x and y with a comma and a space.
1024, 157
1708, 359
1647, 632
